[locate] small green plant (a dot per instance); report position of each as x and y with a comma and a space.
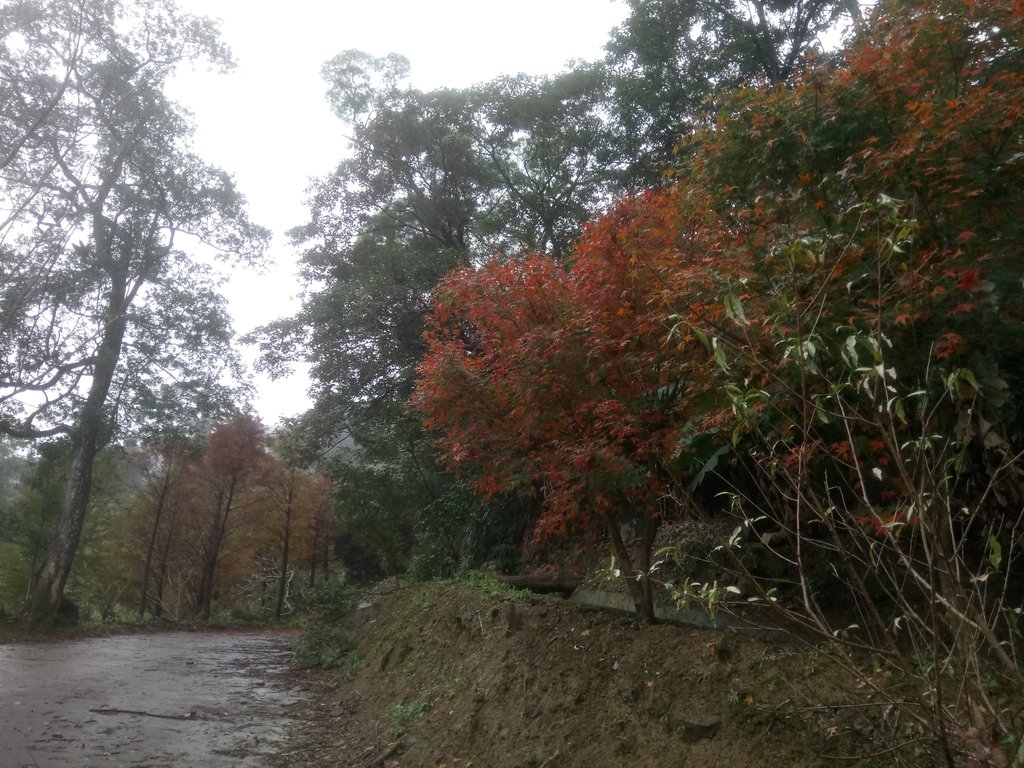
707, 596
327, 647
425, 603
487, 585
401, 716
225, 620
332, 601
349, 663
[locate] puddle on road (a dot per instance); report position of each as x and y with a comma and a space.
168, 700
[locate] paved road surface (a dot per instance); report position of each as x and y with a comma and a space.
166, 700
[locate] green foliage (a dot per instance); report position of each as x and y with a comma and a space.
14, 578
554, 153
98, 580
400, 716
487, 585
326, 642
381, 485
27, 519
459, 532
672, 60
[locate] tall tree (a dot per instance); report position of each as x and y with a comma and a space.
551, 146
407, 204
392, 218
229, 474
670, 57
164, 470
92, 333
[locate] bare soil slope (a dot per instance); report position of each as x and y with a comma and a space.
445, 675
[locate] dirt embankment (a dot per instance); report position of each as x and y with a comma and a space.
443, 675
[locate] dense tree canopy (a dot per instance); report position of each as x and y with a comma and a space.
433, 181
671, 60
785, 238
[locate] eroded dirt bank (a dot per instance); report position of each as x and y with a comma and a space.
162, 700
447, 676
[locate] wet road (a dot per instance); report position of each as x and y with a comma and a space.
168, 700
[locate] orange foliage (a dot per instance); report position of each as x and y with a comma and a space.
879, 196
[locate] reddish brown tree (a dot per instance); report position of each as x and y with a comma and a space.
165, 471
227, 477
564, 380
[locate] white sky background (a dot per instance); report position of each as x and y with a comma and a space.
267, 122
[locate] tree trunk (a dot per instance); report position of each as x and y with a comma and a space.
314, 556
204, 593
48, 592
161, 571
87, 438
157, 516
204, 596
638, 582
211, 553
282, 586
158, 594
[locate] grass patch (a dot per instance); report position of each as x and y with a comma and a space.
401, 716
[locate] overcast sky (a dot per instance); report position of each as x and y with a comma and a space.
267, 122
